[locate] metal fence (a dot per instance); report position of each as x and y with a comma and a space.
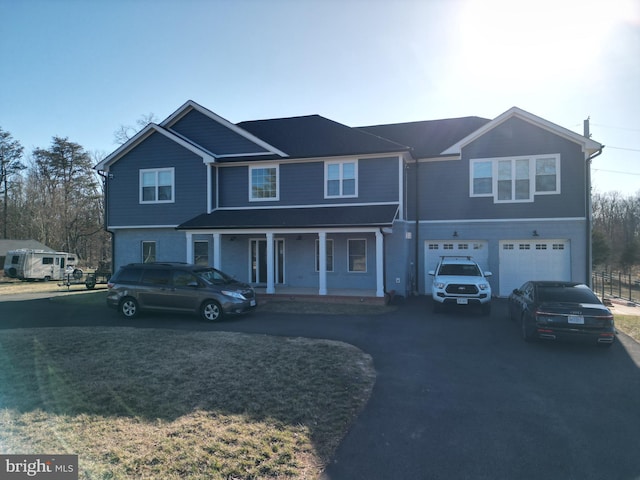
617, 285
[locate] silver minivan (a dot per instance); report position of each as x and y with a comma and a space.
178, 287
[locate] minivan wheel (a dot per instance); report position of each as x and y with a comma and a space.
211, 311
128, 307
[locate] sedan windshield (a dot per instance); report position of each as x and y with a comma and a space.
214, 276
566, 294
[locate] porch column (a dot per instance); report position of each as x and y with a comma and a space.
189, 247
322, 266
379, 264
216, 251
270, 267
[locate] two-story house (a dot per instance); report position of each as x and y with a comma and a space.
307, 204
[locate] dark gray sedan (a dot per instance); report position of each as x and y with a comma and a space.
552, 310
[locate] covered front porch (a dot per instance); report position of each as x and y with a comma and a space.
335, 252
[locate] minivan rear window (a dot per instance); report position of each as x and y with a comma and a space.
128, 275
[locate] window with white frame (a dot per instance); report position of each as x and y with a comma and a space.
341, 179
263, 182
329, 259
157, 185
357, 255
516, 179
148, 252
201, 252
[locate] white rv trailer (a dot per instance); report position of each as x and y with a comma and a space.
30, 264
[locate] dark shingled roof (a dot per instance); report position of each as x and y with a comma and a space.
322, 217
316, 136
428, 138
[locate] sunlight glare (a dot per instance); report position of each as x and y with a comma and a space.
530, 44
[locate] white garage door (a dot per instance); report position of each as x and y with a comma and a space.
523, 260
434, 249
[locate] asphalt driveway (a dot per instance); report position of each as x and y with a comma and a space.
458, 395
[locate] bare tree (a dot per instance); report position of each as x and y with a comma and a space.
125, 132
10, 165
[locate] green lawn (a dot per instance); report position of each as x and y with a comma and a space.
147, 403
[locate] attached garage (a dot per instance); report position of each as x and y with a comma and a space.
523, 260
434, 249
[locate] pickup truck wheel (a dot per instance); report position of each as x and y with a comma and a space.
485, 308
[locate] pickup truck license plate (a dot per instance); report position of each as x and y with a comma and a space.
253, 303
462, 301
576, 319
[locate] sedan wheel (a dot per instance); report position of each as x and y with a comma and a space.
211, 311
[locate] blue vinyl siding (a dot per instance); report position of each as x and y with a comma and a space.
303, 184
444, 185
171, 245
157, 151
213, 136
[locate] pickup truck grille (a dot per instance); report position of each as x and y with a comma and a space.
461, 289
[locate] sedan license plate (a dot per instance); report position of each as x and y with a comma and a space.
462, 301
576, 319
253, 303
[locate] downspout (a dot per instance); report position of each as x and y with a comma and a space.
105, 178
416, 279
589, 213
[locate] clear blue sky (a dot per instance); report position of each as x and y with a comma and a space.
80, 69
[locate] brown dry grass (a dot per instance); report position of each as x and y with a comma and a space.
136, 403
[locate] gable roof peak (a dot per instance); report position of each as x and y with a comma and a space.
588, 146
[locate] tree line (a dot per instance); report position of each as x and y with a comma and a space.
53, 195
616, 231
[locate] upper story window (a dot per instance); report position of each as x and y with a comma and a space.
341, 179
516, 179
157, 185
263, 183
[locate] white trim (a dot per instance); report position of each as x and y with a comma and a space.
252, 207
265, 166
142, 135
401, 190
588, 146
157, 171
295, 160
503, 220
191, 105
341, 178
532, 161
209, 189
283, 231
142, 227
